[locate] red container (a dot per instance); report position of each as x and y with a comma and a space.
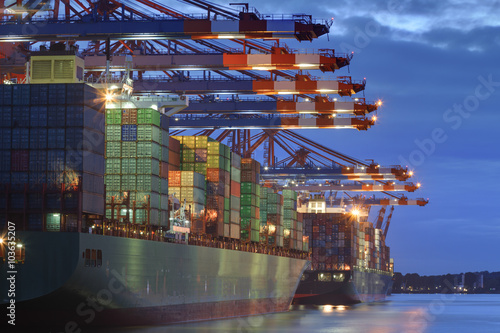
235, 189
129, 116
215, 175
174, 145
174, 158
174, 178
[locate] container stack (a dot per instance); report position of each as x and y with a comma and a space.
52, 156
339, 242
235, 219
189, 188
221, 168
136, 156
218, 189
272, 228
250, 200
291, 226
174, 155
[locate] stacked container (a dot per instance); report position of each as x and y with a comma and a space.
235, 198
272, 228
250, 200
338, 241
221, 168
189, 188
52, 155
137, 163
174, 154
292, 228
218, 189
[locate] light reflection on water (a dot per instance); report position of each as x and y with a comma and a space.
400, 313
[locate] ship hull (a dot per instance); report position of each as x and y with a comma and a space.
354, 287
140, 282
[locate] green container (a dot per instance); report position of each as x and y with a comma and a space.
187, 166
256, 224
215, 148
263, 217
148, 183
227, 204
246, 223
148, 149
272, 198
289, 203
247, 211
148, 116
248, 200
289, 194
113, 166
255, 236
148, 166
215, 162
148, 133
113, 132
129, 149
235, 175
257, 190
227, 164
129, 183
264, 191
129, 166
113, 149
112, 182
245, 235
263, 204
113, 116
288, 223
201, 168
273, 209
227, 216
248, 188
188, 155
289, 214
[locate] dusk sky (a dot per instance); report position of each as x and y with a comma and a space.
435, 67
428, 61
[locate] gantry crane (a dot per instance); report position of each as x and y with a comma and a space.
166, 44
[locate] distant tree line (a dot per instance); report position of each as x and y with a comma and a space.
470, 283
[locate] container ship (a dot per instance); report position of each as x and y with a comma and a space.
118, 223
350, 260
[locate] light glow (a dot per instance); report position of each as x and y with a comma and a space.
306, 65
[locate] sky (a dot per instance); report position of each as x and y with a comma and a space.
434, 64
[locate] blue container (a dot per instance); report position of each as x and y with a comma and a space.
5, 116
5, 138
20, 116
17, 200
55, 160
4, 177
38, 138
57, 94
38, 161
56, 138
56, 116
38, 116
35, 222
19, 179
5, 161
39, 94
74, 115
20, 138
129, 132
7, 95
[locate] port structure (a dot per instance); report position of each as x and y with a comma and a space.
186, 43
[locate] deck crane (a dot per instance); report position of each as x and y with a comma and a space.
388, 222
374, 201
357, 187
